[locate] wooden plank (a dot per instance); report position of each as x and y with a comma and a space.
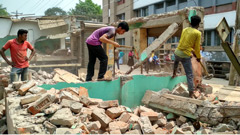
156, 43
160, 40
232, 57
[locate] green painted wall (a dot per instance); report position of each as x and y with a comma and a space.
130, 94
103, 90
47, 46
134, 90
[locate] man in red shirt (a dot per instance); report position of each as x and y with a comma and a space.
18, 49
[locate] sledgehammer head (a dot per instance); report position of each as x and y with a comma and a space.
208, 77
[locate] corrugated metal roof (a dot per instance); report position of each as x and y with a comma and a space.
211, 21
46, 24
61, 35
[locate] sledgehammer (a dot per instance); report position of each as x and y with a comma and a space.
208, 76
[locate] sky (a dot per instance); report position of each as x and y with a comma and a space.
38, 7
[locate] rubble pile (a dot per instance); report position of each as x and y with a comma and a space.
42, 77
3, 122
206, 113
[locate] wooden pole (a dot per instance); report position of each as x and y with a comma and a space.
235, 44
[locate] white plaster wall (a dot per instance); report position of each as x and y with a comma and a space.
34, 31
142, 3
5, 26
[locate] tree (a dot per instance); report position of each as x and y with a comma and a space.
3, 11
55, 11
88, 10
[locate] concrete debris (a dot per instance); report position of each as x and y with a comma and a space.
114, 112
108, 104
63, 117
118, 125
181, 90
41, 104
71, 111
76, 107
25, 87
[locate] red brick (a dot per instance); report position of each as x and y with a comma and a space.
119, 125
25, 87
83, 92
108, 104
153, 116
99, 115
40, 104
125, 117
116, 132
114, 112
161, 131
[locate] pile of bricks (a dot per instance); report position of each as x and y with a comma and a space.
195, 116
32, 109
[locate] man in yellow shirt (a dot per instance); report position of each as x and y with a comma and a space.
189, 42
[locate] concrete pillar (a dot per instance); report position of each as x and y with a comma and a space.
151, 9
62, 43
213, 38
177, 4
165, 6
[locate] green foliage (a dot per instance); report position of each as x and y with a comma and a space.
87, 10
55, 11
3, 11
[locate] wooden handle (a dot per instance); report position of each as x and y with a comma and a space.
125, 46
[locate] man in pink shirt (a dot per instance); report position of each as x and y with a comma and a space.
18, 49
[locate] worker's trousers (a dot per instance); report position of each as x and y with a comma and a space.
94, 53
16, 72
187, 65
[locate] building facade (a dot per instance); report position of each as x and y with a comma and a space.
215, 10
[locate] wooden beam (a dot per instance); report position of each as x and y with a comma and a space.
172, 29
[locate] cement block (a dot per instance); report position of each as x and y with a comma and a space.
153, 116
25, 87
114, 112
108, 104
118, 132
125, 117
146, 125
69, 96
119, 125
144, 109
40, 104
85, 101
100, 116
96, 125
29, 99
170, 125
67, 103
52, 108
147, 97
133, 132
63, 117
76, 107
